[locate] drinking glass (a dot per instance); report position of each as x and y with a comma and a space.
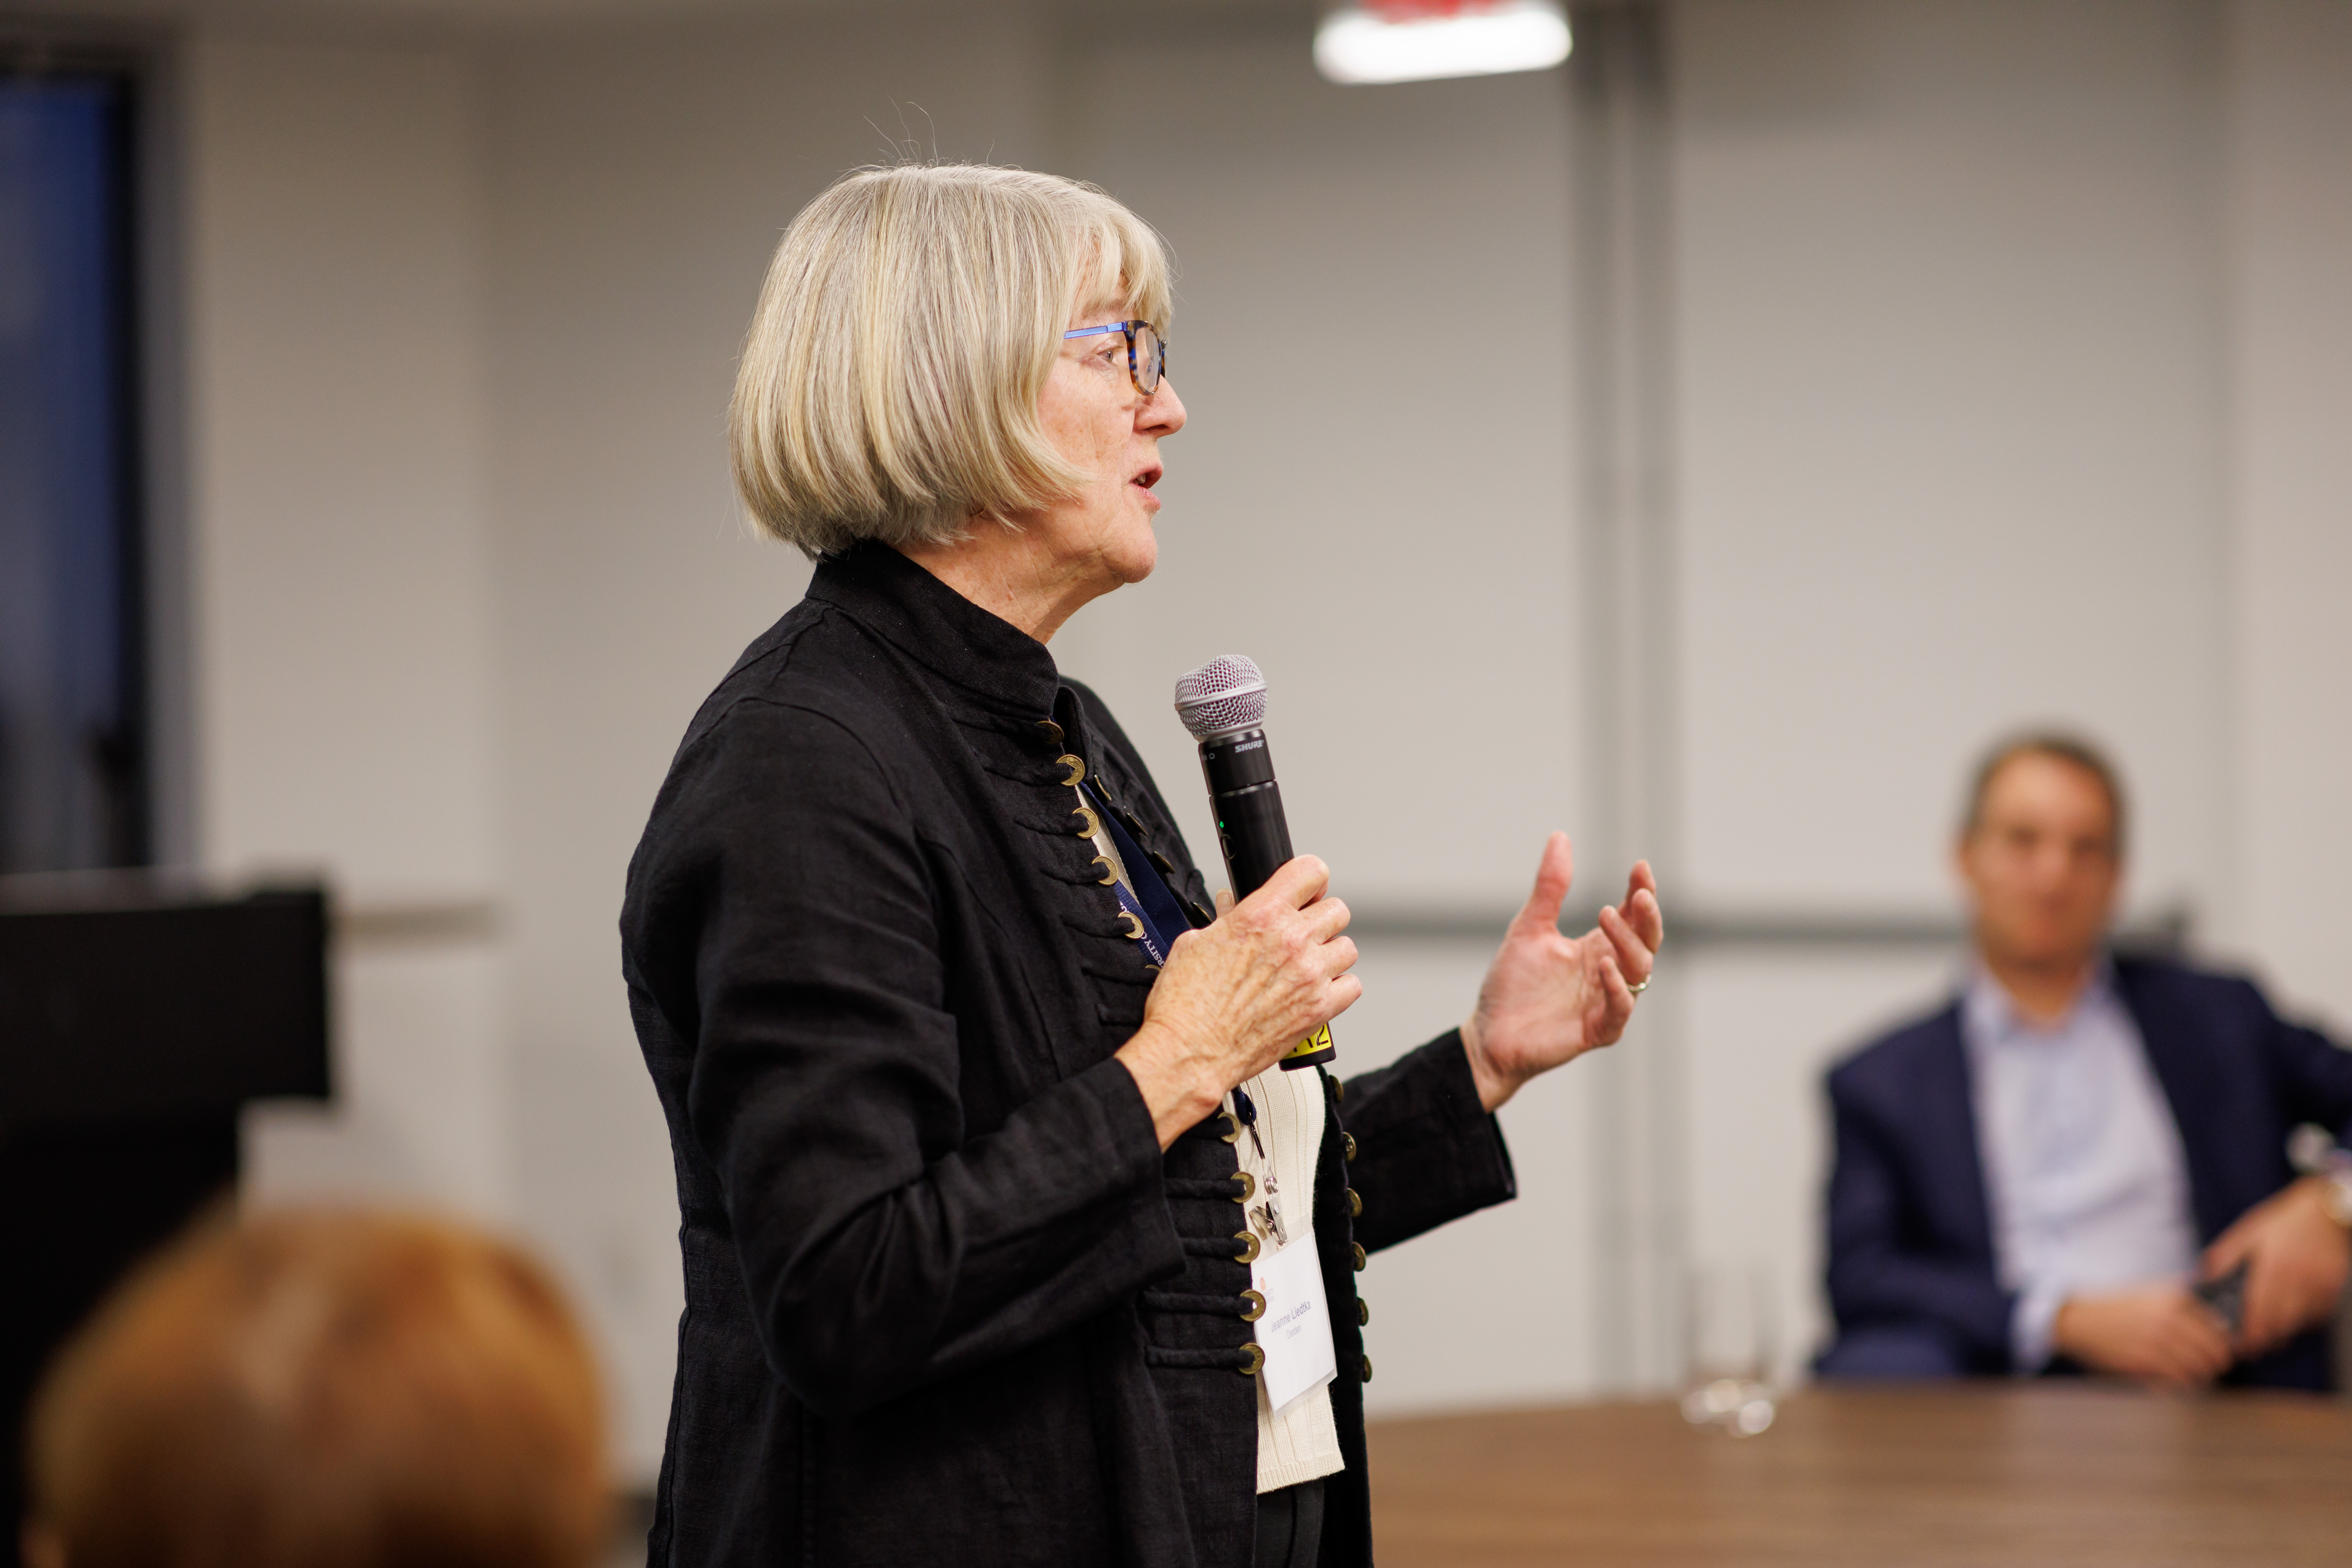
1732, 1344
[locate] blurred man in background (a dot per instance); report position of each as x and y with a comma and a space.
2038, 1177
324, 1390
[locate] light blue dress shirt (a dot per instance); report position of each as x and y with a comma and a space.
2083, 1165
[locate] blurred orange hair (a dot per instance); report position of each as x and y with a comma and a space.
322, 1388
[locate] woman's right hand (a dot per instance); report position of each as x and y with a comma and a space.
1237, 994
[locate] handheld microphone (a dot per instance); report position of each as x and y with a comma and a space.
1222, 704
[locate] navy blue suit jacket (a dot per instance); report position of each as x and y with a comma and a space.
1910, 1231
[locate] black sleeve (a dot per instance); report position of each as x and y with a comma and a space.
1875, 1276
2313, 1074
1426, 1151
882, 1248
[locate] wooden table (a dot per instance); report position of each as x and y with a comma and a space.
1961, 1475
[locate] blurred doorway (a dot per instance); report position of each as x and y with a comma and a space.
73, 773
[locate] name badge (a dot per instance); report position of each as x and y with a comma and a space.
1295, 1331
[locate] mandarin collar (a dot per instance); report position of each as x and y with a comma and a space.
982, 656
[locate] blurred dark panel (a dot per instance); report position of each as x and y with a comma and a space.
72, 773
135, 1021
115, 1012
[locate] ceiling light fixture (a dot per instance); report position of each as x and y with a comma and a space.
1416, 40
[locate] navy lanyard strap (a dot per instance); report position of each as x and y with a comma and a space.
1149, 899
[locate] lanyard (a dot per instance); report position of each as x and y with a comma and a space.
1143, 892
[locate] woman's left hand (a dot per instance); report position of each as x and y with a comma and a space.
1546, 999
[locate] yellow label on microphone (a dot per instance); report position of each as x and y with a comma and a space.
1315, 1049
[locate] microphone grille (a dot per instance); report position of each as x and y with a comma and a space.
1222, 696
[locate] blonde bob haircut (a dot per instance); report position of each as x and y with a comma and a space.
889, 382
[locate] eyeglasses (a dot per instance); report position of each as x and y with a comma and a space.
1146, 351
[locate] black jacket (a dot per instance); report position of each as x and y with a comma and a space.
945, 1300
1910, 1229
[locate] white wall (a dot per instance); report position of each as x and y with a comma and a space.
2011, 357
338, 541
341, 433
2289, 143
1953, 453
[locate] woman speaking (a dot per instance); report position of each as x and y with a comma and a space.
978, 1125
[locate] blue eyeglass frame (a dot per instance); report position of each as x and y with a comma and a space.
1134, 371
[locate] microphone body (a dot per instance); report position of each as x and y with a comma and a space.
1223, 705
1247, 800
